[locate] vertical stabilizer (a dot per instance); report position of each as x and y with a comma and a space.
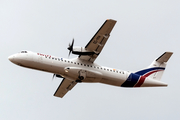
157, 67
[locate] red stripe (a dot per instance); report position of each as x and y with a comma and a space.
147, 74
140, 82
142, 78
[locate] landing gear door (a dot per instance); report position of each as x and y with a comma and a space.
82, 74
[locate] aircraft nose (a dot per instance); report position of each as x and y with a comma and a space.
11, 58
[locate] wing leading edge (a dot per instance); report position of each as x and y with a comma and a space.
64, 87
98, 41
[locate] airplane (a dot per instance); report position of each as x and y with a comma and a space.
84, 69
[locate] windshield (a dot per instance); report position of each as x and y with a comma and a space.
23, 51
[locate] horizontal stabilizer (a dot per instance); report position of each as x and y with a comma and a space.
164, 57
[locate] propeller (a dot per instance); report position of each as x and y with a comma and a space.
53, 76
70, 48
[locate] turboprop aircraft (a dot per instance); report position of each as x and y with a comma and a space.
84, 69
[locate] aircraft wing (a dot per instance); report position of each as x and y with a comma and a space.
64, 87
98, 41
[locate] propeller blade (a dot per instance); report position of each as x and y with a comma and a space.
72, 42
53, 76
69, 53
70, 48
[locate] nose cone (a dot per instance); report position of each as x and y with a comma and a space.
11, 58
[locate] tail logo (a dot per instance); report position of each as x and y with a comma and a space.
137, 79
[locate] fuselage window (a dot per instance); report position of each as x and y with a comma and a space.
94, 66
55, 58
111, 70
91, 65
101, 68
117, 71
107, 69
78, 63
97, 67
52, 58
104, 68
64, 60
81, 64
74, 62
84, 64
88, 65
68, 61
59, 59
71, 62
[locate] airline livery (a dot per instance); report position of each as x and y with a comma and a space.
84, 69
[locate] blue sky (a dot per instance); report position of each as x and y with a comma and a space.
144, 30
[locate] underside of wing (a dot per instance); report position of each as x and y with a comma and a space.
64, 87
98, 41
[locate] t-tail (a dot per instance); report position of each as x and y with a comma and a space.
151, 76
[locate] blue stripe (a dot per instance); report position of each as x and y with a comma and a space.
142, 72
131, 80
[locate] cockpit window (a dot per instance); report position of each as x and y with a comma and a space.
23, 51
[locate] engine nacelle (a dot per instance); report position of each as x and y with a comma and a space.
82, 51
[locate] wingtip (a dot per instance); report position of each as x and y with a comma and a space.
111, 20
169, 52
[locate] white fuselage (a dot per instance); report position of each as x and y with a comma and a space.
57, 65
69, 68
